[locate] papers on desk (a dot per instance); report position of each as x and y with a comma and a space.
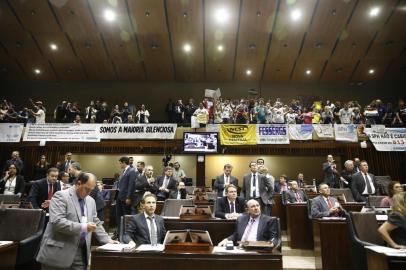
4, 243
388, 251
333, 218
115, 247
236, 250
381, 217
157, 248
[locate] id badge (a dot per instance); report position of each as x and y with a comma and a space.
84, 219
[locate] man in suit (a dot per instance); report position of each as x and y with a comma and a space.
42, 190
15, 160
165, 184
347, 173
295, 194
282, 185
363, 183
140, 168
143, 183
225, 179
330, 172
231, 206
254, 226
68, 160
257, 186
324, 205
146, 227
72, 221
179, 192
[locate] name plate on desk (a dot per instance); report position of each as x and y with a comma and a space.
257, 245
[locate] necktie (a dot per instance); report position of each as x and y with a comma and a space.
82, 214
329, 203
154, 236
298, 198
165, 184
369, 188
248, 230
232, 208
254, 184
50, 191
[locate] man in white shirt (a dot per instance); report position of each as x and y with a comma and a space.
223, 180
363, 183
231, 206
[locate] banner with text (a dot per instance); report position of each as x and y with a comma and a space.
137, 131
272, 134
346, 133
300, 132
61, 132
389, 139
10, 132
323, 131
238, 135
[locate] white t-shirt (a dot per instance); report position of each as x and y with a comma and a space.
345, 116
278, 116
40, 118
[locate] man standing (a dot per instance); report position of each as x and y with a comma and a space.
42, 190
146, 227
165, 184
330, 172
295, 194
300, 180
256, 186
140, 168
346, 174
357, 162
142, 184
231, 206
16, 161
363, 183
178, 173
68, 160
324, 205
222, 181
254, 227
72, 220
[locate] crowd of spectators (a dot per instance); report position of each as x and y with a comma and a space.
242, 111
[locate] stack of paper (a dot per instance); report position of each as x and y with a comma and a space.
115, 247
388, 251
157, 248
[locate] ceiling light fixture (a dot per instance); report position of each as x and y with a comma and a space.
248, 72
109, 15
37, 71
221, 15
296, 15
371, 71
374, 11
53, 46
187, 47
220, 48
308, 72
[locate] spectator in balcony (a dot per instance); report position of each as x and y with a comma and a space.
400, 113
202, 115
130, 119
179, 112
143, 115
345, 115
90, 111
278, 113
316, 119
307, 117
226, 112
327, 115
260, 111
380, 107
389, 117
116, 115
103, 114
125, 112
60, 112
73, 110
336, 112
217, 113
241, 113
291, 116
169, 110
357, 117
190, 108
371, 115
39, 114
78, 119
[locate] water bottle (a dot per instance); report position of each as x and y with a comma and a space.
314, 185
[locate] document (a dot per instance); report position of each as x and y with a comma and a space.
236, 250
4, 243
115, 247
388, 251
157, 248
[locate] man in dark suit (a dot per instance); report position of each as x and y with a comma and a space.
363, 183
165, 184
146, 227
68, 160
231, 206
256, 186
254, 227
330, 172
42, 190
346, 174
179, 192
282, 184
324, 205
223, 180
295, 194
143, 183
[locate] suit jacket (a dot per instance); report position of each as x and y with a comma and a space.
291, 198
140, 186
137, 230
171, 186
278, 187
98, 198
219, 184
358, 186
39, 192
173, 194
19, 188
62, 234
329, 177
223, 207
320, 208
264, 185
267, 229
126, 184
64, 166
17, 162
348, 177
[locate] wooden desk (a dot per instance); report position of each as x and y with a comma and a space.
8, 256
175, 260
353, 206
378, 261
300, 232
279, 210
218, 228
331, 244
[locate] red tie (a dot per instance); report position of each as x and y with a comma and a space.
298, 198
50, 191
329, 203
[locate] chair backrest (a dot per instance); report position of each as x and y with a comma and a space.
366, 227
211, 196
309, 208
284, 197
9, 199
342, 191
188, 181
124, 221
278, 245
19, 224
382, 183
374, 201
172, 207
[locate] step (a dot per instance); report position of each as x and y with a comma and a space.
287, 251
298, 263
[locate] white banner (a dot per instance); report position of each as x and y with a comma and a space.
136, 131
323, 131
213, 128
346, 133
272, 134
61, 132
10, 132
300, 132
389, 139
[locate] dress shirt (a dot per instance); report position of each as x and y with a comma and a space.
368, 178
250, 233
256, 194
10, 186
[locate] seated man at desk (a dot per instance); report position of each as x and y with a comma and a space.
231, 206
146, 227
254, 226
179, 192
324, 205
295, 194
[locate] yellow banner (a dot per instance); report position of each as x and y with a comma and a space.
238, 134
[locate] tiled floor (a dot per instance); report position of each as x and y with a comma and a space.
298, 262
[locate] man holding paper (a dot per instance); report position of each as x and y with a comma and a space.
72, 220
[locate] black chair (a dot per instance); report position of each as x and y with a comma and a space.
278, 245
382, 183
188, 181
125, 220
24, 226
172, 207
374, 201
362, 231
309, 208
342, 191
284, 198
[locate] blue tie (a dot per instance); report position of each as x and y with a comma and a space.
82, 214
